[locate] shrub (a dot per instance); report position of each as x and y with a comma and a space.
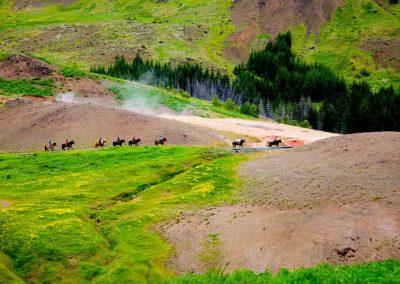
72, 71
216, 101
230, 105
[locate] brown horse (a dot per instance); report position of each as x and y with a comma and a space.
135, 142
50, 147
67, 145
119, 142
99, 144
160, 142
274, 143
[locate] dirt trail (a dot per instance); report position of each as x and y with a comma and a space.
26, 125
335, 200
263, 131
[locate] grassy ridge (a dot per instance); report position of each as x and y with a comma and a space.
87, 215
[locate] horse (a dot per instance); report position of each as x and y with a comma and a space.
160, 142
50, 147
135, 142
275, 142
239, 144
98, 144
119, 142
68, 145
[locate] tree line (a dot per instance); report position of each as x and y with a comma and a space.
274, 83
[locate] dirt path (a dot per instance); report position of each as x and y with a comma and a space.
26, 125
262, 130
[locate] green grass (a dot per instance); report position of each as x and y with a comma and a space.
373, 272
338, 45
39, 88
88, 215
190, 28
155, 98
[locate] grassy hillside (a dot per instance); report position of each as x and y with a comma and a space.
347, 44
88, 215
89, 31
141, 96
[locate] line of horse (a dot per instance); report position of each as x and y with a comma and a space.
101, 144
239, 143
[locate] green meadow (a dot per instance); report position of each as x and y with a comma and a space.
89, 215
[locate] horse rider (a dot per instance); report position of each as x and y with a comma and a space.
118, 139
50, 143
66, 141
161, 138
101, 141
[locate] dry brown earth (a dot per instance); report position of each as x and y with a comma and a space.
335, 200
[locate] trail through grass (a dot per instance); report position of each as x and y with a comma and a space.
88, 215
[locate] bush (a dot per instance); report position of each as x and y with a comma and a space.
72, 71
250, 109
305, 123
230, 105
215, 101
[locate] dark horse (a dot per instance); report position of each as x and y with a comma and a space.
160, 142
50, 147
68, 145
100, 144
236, 144
135, 142
119, 142
274, 143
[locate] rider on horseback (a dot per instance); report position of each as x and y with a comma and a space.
161, 138
101, 141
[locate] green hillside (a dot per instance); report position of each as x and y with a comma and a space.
347, 44
88, 32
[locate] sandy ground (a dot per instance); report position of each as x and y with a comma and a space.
261, 130
301, 207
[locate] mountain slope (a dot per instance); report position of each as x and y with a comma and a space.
358, 39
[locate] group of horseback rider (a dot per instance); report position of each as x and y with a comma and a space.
101, 143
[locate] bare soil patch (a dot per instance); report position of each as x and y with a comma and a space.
4, 203
22, 4
27, 125
255, 17
386, 52
260, 237
24, 67
340, 170
336, 200
262, 131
